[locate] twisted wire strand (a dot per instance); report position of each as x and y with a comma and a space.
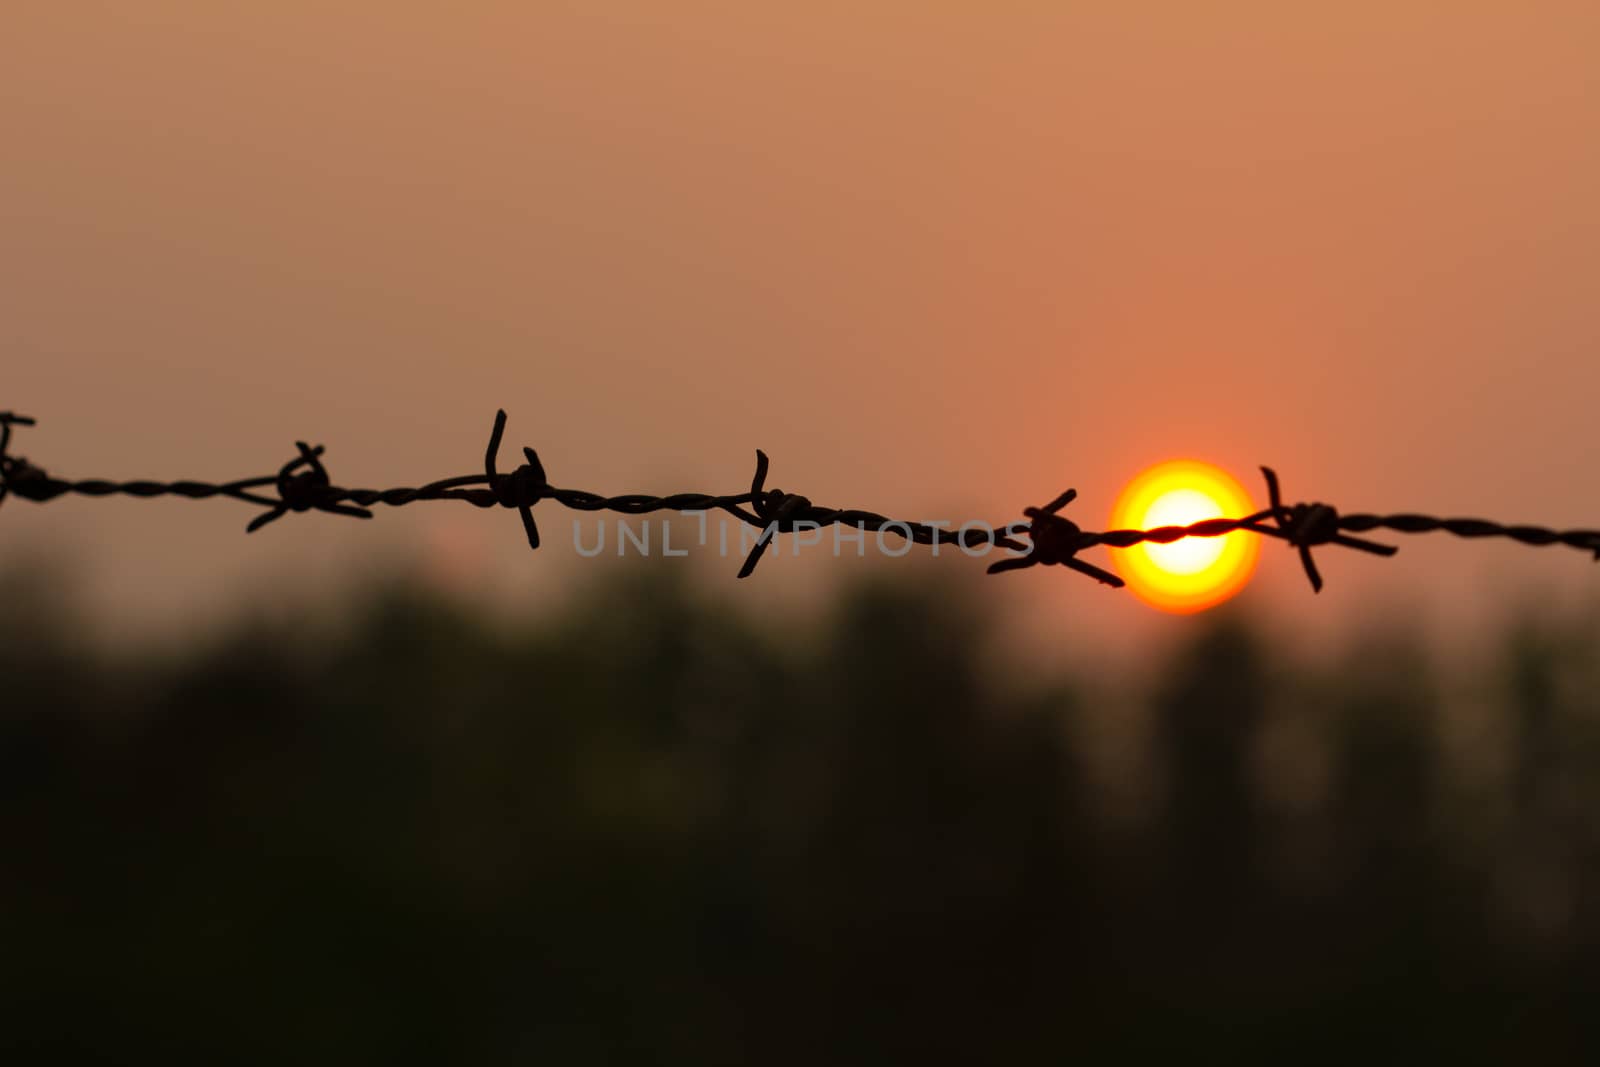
303, 484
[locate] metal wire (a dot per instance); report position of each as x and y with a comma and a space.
303, 484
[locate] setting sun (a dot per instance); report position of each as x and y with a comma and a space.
1197, 572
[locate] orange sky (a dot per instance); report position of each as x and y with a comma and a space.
936, 259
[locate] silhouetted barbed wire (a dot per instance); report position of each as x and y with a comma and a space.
303, 484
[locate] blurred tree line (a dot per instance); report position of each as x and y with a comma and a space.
641, 830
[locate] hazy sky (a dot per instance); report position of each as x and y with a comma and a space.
936, 258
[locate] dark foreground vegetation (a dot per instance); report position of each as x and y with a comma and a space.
640, 833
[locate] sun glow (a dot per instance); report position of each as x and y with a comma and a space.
1194, 573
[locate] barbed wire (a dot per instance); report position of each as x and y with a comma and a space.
303, 484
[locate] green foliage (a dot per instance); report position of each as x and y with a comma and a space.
642, 832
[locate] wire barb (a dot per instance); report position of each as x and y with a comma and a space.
775, 512
19, 476
1056, 540
523, 487
1306, 525
305, 490
303, 484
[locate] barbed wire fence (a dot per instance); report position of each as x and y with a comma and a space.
303, 484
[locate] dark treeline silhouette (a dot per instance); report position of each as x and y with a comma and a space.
641, 830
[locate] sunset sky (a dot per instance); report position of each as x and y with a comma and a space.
937, 259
